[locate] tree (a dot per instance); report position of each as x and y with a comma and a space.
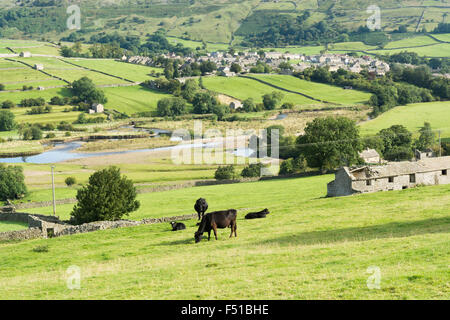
395, 138
70, 181
190, 88
2, 87
236, 68
293, 165
426, 138
225, 173
249, 105
169, 107
272, 100
86, 91
330, 142
7, 122
204, 102
12, 182
108, 196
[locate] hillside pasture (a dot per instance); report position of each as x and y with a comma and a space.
317, 90
412, 116
133, 99
309, 247
242, 88
133, 72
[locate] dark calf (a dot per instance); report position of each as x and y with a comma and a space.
177, 226
201, 206
217, 220
257, 215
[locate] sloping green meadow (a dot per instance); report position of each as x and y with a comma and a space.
309, 247
412, 116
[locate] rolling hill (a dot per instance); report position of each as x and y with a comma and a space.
214, 21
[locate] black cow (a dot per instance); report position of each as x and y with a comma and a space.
201, 206
217, 219
176, 226
257, 215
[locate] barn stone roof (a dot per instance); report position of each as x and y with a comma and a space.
393, 169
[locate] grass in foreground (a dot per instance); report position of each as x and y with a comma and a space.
309, 247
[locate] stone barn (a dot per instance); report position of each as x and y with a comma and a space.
391, 176
370, 156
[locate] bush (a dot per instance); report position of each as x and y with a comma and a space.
31, 132
108, 196
57, 101
8, 104
225, 173
12, 182
252, 171
2, 87
70, 181
293, 165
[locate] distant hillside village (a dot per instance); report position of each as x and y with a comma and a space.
286, 62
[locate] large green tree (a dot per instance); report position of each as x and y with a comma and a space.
396, 143
108, 196
12, 182
330, 142
86, 91
426, 138
7, 122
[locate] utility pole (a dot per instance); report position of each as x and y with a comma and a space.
53, 189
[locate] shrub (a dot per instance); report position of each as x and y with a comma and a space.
108, 196
252, 171
225, 173
12, 182
70, 181
50, 135
8, 104
2, 87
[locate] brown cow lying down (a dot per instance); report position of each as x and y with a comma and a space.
215, 220
257, 215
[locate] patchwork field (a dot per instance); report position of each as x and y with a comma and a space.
133, 99
308, 247
412, 116
241, 88
317, 90
133, 72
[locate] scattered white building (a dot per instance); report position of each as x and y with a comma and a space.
25, 54
97, 108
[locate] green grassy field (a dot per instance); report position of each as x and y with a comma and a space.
317, 90
242, 89
309, 247
412, 117
438, 50
128, 71
133, 99
56, 116
6, 226
411, 42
